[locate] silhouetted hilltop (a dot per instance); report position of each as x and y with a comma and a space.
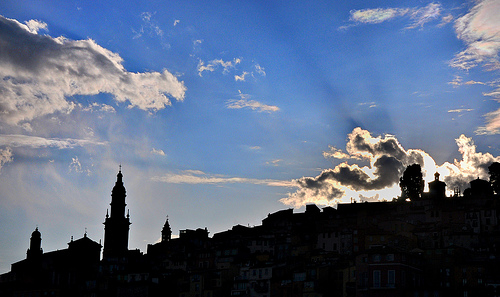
431, 245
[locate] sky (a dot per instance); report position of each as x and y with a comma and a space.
221, 112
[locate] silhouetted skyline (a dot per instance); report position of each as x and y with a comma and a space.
220, 112
427, 244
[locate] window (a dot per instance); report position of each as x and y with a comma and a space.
389, 257
376, 278
376, 258
391, 278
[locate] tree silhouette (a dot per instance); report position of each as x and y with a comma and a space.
494, 172
412, 182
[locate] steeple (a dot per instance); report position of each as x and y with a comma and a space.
35, 249
166, 232
116, 226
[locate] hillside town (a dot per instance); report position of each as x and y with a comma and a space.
422, 244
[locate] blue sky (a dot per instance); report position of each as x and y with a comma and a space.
221, 113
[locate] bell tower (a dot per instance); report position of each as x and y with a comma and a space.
116, 226
35, 249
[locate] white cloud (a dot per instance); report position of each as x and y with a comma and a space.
274, 162
75, 165
147, 18
377, 15
40, 142
212, 65
34, 26
492, 124
199, 177
446, 19
158, 152
460, 110
419, 15
245, 102
473, 82
201, 67
480, 30
260, 70
38, 72
241, 77
94, 107
5, 156
338, 154
472, 165
254, 105
423, 15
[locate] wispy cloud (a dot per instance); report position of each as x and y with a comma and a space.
150, 25
214, 64
492, 124
38, 72
245, 102
460, 110
376, 15
274, 162
260, 70
418, 15
480, 30
99, 107
446, 20
423, 15
252, 104
76, 166
199, 177
40, 142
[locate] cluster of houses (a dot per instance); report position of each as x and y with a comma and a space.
433, 246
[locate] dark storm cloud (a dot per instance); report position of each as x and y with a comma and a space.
387, 162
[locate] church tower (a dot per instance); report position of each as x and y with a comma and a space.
35, 249
116, 226
166, 232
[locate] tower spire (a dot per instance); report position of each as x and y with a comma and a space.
166, 232
117, 225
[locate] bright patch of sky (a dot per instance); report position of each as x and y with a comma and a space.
222, 112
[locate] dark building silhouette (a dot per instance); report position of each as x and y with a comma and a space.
117, 226
68, 272
434, 246
437, 188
